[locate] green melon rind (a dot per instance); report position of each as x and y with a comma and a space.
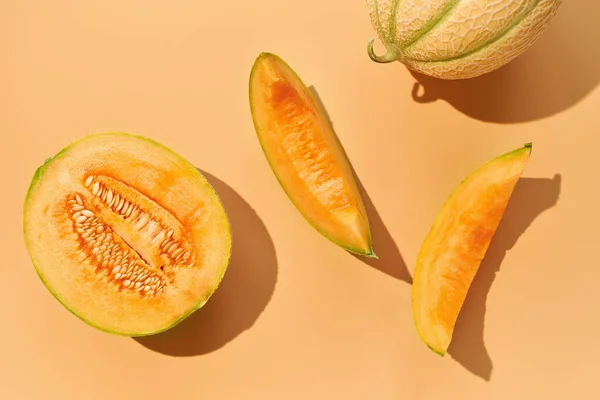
432, 23
369, 253
37, 177
526, 147
452, 67
499, 36
395, 52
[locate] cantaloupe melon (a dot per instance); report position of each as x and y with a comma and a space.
125, 233
457, 39
452, 252
306, 155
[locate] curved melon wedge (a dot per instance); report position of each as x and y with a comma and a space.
456, 244
306, 155
125, 233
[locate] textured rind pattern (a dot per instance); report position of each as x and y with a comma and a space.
452, 39
497, 54
469, 25
413, 16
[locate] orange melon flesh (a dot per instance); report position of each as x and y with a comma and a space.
453, 250
306, 155
125, 233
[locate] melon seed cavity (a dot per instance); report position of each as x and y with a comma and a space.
128, 237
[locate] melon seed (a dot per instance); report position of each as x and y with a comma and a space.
125, 207
177, 253
89, 180
121, 202
87, 213
171, 247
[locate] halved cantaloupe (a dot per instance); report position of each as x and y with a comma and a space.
452, 252
125, 233
306, 155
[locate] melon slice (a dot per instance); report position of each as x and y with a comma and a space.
456, 244
306, 155
125, 233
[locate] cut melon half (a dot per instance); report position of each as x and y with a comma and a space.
306, 155
452, 252
125, 233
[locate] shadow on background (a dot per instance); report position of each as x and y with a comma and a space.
244, 293
390, 260
531, 197
557, 72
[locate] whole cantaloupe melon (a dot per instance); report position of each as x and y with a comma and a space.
457, 39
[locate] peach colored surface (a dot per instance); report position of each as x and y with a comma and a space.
296, 317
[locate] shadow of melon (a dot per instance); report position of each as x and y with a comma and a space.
244, 293
555, 74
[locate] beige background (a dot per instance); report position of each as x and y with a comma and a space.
296, 317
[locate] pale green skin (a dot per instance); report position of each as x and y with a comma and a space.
404, 25
39, 175
370, 253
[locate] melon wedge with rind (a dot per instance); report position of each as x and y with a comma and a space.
306, 155
125, 233
454, 248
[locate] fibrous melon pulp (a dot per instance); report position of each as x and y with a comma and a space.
125, 233
457, 39
306, 155
453, 250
